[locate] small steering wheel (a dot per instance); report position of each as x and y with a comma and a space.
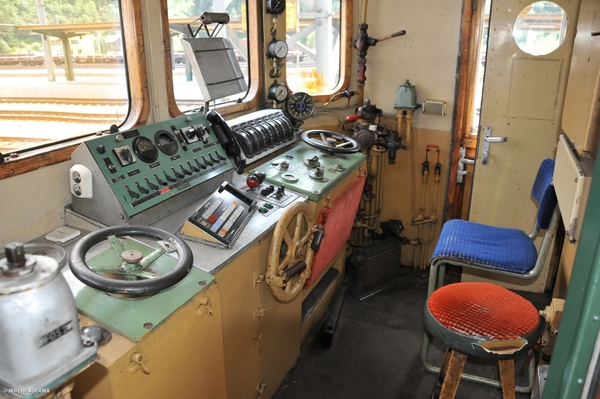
291, 255
137, 281
330, 141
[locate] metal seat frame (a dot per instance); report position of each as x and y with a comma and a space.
437, 274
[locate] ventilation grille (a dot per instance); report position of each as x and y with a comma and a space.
377, 262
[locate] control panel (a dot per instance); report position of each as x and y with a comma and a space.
308, 170
132, 172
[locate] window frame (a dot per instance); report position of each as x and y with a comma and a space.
139, 99
256, 83
346, 19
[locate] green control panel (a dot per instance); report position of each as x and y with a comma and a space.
146, 166
309, 171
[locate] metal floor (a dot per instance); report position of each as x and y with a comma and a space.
375, 351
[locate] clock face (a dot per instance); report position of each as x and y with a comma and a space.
275, 7
300, 106
277, 49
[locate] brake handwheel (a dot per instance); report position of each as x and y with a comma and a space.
330, 141
291, 255
134, 277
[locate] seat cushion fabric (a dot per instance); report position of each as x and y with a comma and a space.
485, 246
467, 313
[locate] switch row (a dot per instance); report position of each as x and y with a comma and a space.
176, 173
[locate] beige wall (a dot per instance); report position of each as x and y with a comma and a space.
33, 203
427, 56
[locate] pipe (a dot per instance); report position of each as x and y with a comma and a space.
404, 126
363, 14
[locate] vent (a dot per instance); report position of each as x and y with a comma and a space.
375, 264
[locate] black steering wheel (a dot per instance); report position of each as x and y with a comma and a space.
137, 281
330, 141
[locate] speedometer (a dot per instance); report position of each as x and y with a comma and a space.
300, 106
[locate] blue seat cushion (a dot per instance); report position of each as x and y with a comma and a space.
485, 246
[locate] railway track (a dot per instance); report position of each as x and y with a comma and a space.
84, 110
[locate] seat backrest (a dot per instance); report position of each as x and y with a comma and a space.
544, 194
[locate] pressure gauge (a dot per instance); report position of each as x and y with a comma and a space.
300, 106
275, 7
277, 49
278, 92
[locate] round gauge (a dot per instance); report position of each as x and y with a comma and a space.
275, 7
277, 49
278, 92
300, 106
166, 142
145, 149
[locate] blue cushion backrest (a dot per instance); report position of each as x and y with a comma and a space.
543, 192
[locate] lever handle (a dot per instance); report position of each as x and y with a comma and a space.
496, 139
487, 140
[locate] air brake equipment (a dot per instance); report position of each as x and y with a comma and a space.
41, 344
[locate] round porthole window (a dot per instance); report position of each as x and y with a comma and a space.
540, 28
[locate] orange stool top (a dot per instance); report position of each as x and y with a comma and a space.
463, 313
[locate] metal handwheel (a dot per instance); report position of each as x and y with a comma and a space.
330, 141
131, 277
291, 252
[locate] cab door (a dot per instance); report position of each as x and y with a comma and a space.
527, 64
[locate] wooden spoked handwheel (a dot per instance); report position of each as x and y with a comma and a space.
291, 255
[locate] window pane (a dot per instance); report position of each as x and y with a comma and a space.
540, 28
313, 37
183, 13
61, 71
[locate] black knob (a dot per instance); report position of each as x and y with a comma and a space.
101, 148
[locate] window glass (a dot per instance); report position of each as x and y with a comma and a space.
313, 36
62, 71
540, 28
185, 14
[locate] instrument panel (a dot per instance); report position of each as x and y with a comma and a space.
144, 174
143, 167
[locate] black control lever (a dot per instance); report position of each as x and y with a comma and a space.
225, 137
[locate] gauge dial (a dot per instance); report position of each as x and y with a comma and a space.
145, 149
300, 106
275, 7
278, 92
166, 142
277, 49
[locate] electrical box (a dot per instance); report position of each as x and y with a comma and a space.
434, 107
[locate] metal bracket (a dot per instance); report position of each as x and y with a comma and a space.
462, 161
487, 139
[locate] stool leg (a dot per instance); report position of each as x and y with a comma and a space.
507, 376
456, 363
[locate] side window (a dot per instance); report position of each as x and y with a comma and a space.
314, 36
183, 23
62, 71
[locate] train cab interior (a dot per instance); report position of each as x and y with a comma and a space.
285, 199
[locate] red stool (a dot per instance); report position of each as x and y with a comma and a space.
484, 320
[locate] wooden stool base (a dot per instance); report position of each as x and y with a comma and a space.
452, 368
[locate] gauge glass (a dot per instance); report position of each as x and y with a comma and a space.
275, 7
166, 142
145, 149
300, 106
278, 49
281, 93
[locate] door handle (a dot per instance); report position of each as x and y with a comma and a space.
487, 140
462, 161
